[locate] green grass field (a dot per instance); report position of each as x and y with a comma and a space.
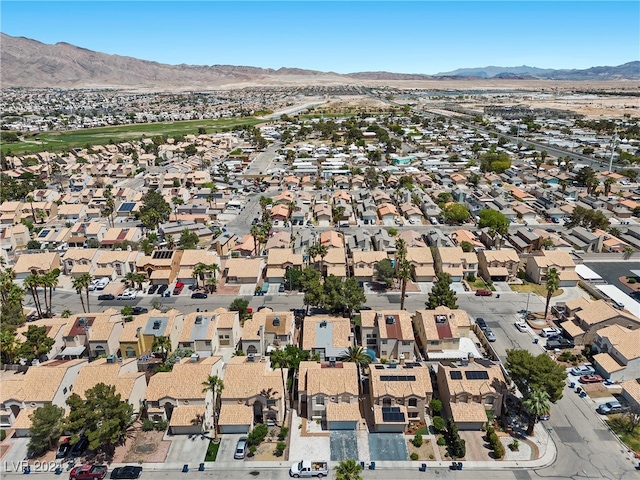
59, 141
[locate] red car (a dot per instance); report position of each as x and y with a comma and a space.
592, 378
483, 293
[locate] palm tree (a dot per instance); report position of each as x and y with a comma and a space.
176, 201
50, 280
7, 277
215, 384
85, 281
66, 313
403, 268
211, 283
162, 344
138, 278
553, 283
348, 470
357, 355
129, 279
536, 403
170, 241
268, 394
8, 346
318, 250
198, 272
255, 233
32, 282
78, 286
608, 183
563, 185
279, 360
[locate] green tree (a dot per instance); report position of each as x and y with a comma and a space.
36, 343
176, 202
333, 294
318, 250
455, 214
441, 293
46, 428
32, 282
154, 209
353, 294
280, 360
348, 470
356, 354
80, 283
188, 240
241, 306
539, 372
552, 284
385, 272
162, 345
587, 218
215, 385
536, 404
466, 246
33, 245
9, 346
494, 220
403, 269
292, 278
494, 161
102, 416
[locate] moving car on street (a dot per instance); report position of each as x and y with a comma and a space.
107, 296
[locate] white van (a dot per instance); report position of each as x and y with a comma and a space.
549, 332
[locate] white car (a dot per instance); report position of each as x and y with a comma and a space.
582, 370
521, 325
127, 295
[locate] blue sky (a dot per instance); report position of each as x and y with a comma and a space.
409, 37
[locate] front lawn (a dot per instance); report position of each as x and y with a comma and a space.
534, 288
620, 425
212, 451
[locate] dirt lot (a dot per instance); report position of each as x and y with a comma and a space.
425, 452
143, 447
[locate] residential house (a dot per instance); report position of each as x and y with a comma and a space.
461, 235
161, 267
399, 394
443, 333
334, 263
332, 239
619, 357
117, 236
178, 396
387, 212
81, 233
191, 258
139, 335
246, 246
36, 263
199, 333
540, 262
411, 238
123, 375
422, 266
267, 331
328, 392
278, 240
48, 383
80, 260
115, 263
79, 330
583, 317
525, 240
631, 392
498, 265
584, 239
253, 393
229, 329
279, 260
327, 336
364, 265
456, 262
393, 331
468, 391
72, 212
322, 212
55, 328
242, 270
14, 237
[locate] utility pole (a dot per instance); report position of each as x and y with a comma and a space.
613, 149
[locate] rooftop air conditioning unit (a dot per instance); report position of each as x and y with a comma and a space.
323, 324
392, 364
199, 320
251, 357
111, 359
390, 320
194, 358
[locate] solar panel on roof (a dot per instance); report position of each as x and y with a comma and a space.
379, 367
44, 233
398, 378
127, 207
476, 375
393, 416
455, 375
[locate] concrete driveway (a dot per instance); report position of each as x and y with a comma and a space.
187, 450
11, 461
227, 448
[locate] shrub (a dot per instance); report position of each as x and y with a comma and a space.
417, 440
258, 434
413, 456
147, 425
438, 424
471, 278
515, 445
460, 448
280, 447
161, 425
3, 435
431, 457
436, 406
441, 441
498, 450
632, 280
284, 431
252, 450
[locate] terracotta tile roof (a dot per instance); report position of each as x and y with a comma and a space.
23, 420
235, 414
331, 381
468, 412
244, 379
632, 388
624, 340
343, 412
187, 415
281, 257
379, 419
420, 387
454, 319
341, 330
41, 383
471, 386
501, 256
608, 363
184, 382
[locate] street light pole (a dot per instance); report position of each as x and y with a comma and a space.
527, 309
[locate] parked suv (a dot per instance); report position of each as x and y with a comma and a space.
178, 288
611, 407
481, 323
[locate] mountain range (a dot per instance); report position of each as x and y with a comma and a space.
30, 63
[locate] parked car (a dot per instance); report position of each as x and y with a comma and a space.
162, 289
550, 331
63, 449
560, 343
582, 370
129, 294
544, 416
241, 448
140, 310
591, 378
106, 296
481, 323
128, 471
199, 295
79, 447
521, 325
281, 288
483, 293
489, 334
152, 289
611, 407
88, 472
177, 290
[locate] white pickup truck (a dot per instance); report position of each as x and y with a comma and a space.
307, 468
